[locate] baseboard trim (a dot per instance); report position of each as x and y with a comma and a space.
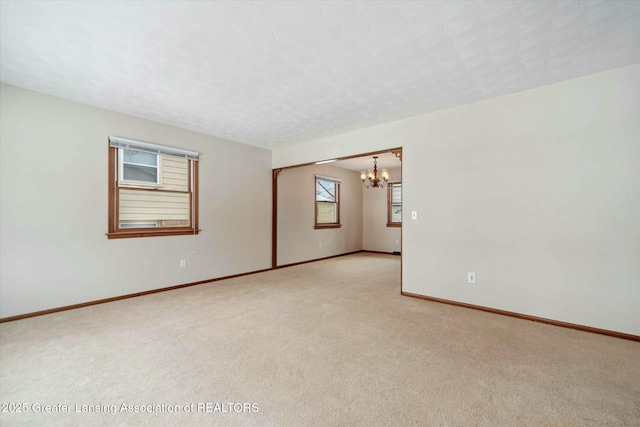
378, 252
528, 317
318, 259
155, 291
121, 297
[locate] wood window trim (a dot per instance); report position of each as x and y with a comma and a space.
117, 233
320, 226
389, 207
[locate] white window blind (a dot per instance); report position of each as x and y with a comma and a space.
396, 193
130, 144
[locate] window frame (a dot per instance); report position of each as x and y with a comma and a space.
390, 204
114, 229
321, 225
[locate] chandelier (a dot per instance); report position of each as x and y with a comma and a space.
370, 178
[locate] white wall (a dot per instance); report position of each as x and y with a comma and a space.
376, 236
53, 207
298, 240
537, 192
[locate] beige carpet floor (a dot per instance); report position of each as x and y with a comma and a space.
329, 343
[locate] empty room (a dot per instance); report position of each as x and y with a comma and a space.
315, 213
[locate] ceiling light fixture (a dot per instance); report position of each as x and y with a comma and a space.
325, 161
370, 178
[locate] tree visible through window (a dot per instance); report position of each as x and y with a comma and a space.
153, 190
327, 202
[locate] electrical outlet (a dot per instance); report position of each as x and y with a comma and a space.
414, 214
397, 242
183, 263
319, 244
471, 277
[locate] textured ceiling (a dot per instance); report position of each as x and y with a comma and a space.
359, 164
277, 73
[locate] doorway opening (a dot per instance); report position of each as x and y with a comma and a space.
370, 219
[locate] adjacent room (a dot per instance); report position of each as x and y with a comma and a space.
320, 213
343, 213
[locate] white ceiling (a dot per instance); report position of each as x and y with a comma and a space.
272, 74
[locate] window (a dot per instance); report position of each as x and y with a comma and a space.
138, 224
153, 190
138, 166
327, 202
394, 204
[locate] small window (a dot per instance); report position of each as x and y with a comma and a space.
138, 224
327, 207
139, 167
153, 190
394, 204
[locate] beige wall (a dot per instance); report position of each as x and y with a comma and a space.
53, 250
376, 236
297, 239
537, 192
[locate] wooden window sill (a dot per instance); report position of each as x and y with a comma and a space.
151, 233
320, 226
